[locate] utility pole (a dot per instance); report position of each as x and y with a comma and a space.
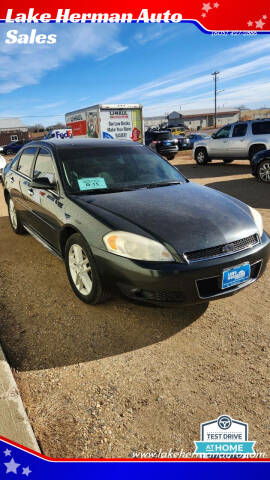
215, 82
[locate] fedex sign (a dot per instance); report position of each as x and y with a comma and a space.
61, 134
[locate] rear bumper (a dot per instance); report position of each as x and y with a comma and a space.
169, 283
164, 150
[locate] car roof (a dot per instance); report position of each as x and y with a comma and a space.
67, 144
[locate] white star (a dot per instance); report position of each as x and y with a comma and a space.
26, 471
206, 7
250, 23
216, 5
203, 14
259, 23
7, 452
12, 466
264, 17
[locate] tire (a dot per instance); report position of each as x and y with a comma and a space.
82, 271
201, 156
263, 171
170, 156
227, 160
14, 219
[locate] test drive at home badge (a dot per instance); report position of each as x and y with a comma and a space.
224, 437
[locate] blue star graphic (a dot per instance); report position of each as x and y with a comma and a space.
7, 452
26, 471
12, 466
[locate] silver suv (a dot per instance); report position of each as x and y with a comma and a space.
240, 140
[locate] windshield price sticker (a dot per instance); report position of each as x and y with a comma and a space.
92, 183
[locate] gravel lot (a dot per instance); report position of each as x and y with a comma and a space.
109, 380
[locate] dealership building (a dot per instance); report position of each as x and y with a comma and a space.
12, 130
194, 119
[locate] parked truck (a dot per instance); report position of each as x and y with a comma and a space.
122, 122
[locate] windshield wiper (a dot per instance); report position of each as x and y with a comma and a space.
163, 184
106, 190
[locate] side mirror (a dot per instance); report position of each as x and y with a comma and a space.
214, 135
43, 183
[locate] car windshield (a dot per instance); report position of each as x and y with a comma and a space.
107, 169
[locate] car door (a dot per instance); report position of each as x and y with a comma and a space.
46, 204
238, 144
218, 146
22, 180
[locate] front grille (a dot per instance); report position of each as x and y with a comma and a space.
210, 287
221, 250
162, 296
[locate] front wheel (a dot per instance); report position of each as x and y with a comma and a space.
82, 271
263, 171
15, 221
201, 156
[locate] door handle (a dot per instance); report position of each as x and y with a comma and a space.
30, 191
12, 179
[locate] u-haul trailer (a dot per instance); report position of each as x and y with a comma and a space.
122, 122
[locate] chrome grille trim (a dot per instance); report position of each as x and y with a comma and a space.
219, 251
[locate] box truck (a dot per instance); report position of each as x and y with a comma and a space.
122, 122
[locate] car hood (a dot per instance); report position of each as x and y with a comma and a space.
187, 216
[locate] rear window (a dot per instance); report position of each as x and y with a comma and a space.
163, 135
261, 128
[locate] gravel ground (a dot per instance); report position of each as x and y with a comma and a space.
109, 380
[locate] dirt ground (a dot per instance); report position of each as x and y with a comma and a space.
118, 378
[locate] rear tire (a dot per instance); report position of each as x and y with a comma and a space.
82, 271
263, 171
14, 219
170, 156
201, 156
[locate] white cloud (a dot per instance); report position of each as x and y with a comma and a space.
198, 75
23, 65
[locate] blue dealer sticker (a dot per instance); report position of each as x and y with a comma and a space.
91, 183
235, 275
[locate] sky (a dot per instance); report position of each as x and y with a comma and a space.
163, 66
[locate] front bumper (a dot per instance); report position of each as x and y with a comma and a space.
170, 283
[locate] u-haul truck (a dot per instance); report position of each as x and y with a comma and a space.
121, 122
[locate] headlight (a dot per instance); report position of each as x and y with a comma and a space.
136, 247
257, 219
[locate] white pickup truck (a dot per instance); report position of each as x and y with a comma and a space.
236, 141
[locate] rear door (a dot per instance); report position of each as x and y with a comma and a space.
46, 204
238, 143
23, 179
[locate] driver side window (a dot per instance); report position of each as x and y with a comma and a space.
44, 167
224, 132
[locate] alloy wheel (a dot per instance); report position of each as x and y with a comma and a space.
200, 157
80, 269
264, 172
